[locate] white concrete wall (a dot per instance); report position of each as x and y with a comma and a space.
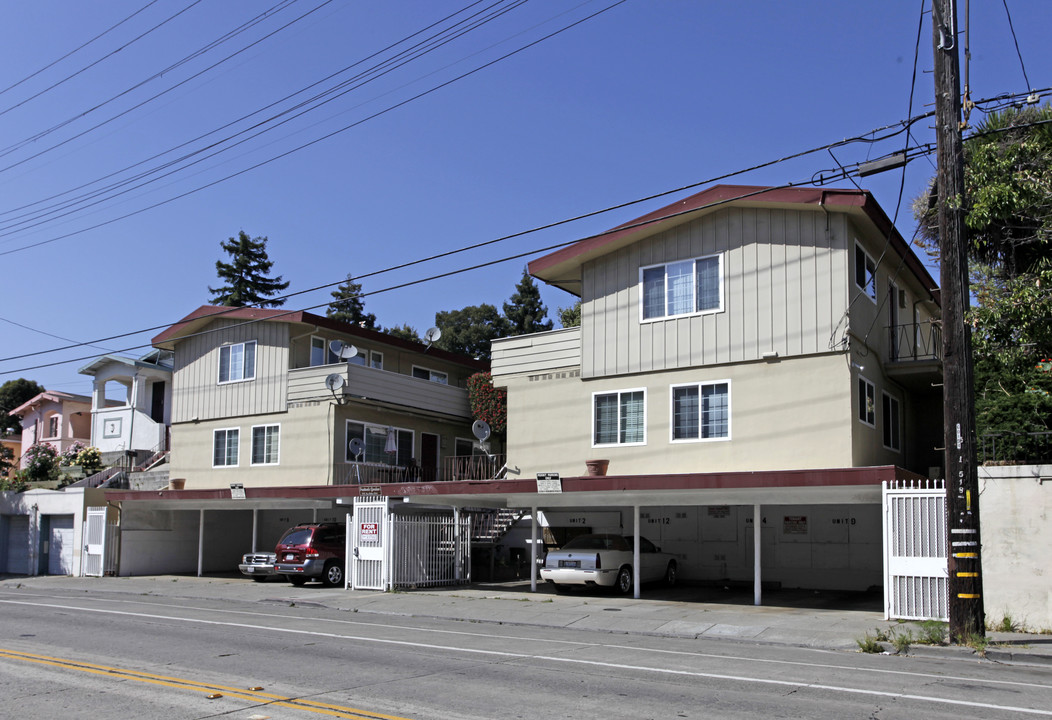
1016, 528
35, 504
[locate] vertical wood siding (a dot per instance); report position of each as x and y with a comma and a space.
196, 392
785, 275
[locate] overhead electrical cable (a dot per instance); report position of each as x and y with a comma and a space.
157, 95
322, 138
77, 49
79, 203
103, 58
1015, 39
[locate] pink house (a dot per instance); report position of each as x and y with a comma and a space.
56, 418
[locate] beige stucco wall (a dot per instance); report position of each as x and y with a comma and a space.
312, 440
791, 414
1016, 526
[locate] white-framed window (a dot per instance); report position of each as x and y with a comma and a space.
237, 362
867, 402
224, 447
54, 426
891, 417
266, 440
320, 354
688, 287
362, 358
432, 375
701, 411
865, 273
619, 418
378, 444
376, 360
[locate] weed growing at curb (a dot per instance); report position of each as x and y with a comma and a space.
869, 644
902, 641
979, 643
932, 632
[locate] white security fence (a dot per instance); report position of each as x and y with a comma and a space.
388, 551
916, 577
101, 544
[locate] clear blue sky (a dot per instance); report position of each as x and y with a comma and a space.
648, 96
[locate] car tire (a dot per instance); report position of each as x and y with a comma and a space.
333, 574
296, 580
671, 573
623, 584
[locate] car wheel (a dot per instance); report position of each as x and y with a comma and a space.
259, 578
670, 573
623, 584
296, 580
333, 575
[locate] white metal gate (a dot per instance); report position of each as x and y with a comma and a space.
916, 577
430, 550
367, 531
101, 544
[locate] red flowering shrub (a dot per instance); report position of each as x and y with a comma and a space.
488, 403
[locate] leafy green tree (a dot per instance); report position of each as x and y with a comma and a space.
12, 394
471, 330
1007, 203
247, 275
571, 316
488, 403
347, 306
524, 311
405, 332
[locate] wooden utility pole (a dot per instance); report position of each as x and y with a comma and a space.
964, 550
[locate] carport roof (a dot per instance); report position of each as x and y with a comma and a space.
785, 487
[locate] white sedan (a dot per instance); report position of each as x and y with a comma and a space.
606, 560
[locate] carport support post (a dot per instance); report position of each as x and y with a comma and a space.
533, 549
756, 522
201, 543
255, 527
635, 552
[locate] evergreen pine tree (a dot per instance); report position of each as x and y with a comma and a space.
347, 306
246, 275
524, 310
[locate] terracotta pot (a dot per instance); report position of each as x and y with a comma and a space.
176, 483
597, 467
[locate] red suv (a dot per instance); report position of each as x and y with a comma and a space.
312, 551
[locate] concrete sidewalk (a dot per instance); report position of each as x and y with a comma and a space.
796, 618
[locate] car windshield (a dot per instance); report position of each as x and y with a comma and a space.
597, 542
296, 536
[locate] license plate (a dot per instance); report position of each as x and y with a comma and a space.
251, 570
570, 563
290, 556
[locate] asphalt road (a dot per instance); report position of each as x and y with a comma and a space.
75, 654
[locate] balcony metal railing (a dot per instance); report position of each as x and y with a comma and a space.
1016, 449
364, 473
915, 341
472, 467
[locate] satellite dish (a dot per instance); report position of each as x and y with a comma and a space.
356, 446
480, 429
334, 382
342, 350
432, 335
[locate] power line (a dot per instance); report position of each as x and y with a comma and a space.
77, 49
104, 57
1015, 39
321, 138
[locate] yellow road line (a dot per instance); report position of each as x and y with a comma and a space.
185, 684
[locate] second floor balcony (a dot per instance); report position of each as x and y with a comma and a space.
307, 384
454, 467
915, 354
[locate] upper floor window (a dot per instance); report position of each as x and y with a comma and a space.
380, 444
682, 288
701, 411
867, 401
54, 423
619, 418
237, 362
432, 375
265, 443
320, 354
225, 447
376, 360
891, 416
865, 273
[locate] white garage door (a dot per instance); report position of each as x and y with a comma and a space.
18, 545
60, 551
